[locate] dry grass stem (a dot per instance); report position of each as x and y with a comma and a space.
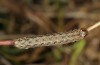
94, 26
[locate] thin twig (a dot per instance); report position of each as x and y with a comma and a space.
93, 26
6, 43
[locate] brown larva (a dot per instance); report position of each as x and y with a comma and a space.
50, 40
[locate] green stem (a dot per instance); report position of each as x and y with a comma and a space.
60, 15
78, 47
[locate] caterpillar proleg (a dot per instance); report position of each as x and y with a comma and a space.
55, 39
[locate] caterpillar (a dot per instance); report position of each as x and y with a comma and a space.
55, 39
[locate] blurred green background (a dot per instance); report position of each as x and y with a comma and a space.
26, 17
